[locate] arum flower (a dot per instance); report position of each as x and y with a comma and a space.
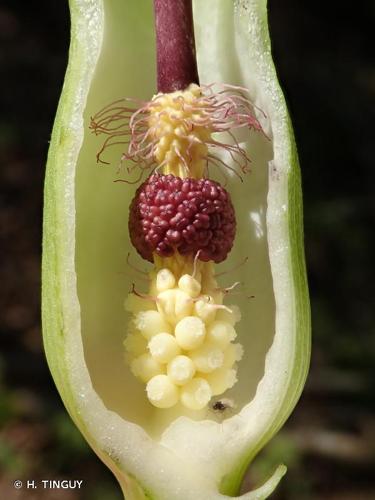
177, 391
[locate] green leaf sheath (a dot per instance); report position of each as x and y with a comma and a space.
154, 456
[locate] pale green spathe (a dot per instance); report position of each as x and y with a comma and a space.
85, 245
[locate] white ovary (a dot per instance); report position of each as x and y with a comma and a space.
149, 323
165, 280
221, 333
196, 394
181, 345
162, 392
189, 285
181, 369
163, 347
190, 332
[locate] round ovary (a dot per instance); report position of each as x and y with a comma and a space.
189, 358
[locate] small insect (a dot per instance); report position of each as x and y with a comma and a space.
221, 405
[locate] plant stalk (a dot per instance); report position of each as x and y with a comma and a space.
175, 45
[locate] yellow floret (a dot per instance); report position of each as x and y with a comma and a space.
208, 357
189, 285
163, 347
221, 333
221, 379
196, 394
183, 349
231, 315
145, 367
149, 323
232, 354
190, 332
181, 369
205, 308
165, 280
174, 305
172, 119
162, 392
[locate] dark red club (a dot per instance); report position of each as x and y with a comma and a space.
169, 214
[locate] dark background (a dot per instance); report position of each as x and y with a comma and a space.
323, 52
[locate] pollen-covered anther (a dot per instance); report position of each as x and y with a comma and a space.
180, 131
182, 352
176, 131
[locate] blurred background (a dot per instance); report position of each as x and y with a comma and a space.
324, 55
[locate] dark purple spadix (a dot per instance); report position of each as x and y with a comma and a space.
175, 45
169, 214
